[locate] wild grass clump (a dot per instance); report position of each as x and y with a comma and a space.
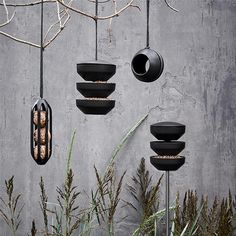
145, 193
216, 219
11, 208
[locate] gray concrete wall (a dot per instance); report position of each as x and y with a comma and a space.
197, 88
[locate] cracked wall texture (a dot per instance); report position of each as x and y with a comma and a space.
197, 88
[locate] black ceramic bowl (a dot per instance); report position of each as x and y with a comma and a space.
167, 130
95, 107
172, 148
96, 70
147, 65
98, 90
167, 164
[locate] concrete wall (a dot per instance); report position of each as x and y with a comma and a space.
197, 88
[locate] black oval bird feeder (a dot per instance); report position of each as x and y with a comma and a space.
96, 92
41, 119
167, 150
147, 65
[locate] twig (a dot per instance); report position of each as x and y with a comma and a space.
62, 25
8, 21
104, 1
6, 10
57, 33
172, 8
58, 14
26, 4
19, 40
51, 26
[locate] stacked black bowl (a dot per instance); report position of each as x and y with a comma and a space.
97, 90
167, 148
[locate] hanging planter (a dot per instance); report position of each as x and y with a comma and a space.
147, 65
97, 91
41, 119
167, 150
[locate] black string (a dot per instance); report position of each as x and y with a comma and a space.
148, 4
96, 30
41, 53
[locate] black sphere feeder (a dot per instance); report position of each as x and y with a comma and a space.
147, 65
96, 91
167, 150
41, 119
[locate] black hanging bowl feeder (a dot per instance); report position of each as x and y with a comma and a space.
147, 65
98, 90
172, 148
41, 131
167, 130
95, 106
96, 70
167, 164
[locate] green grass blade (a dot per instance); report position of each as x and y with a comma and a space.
126, 137
184, 230
195, 221
69, 156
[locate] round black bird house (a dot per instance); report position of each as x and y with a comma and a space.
41, 131
96, 91
147, 64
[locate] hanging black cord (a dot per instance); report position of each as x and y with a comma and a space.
96, 30
148, 4
41, 53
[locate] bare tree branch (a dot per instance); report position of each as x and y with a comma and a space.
61, 14
26, 4
58, 32
97, 17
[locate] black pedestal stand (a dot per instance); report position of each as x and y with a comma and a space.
167, 158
